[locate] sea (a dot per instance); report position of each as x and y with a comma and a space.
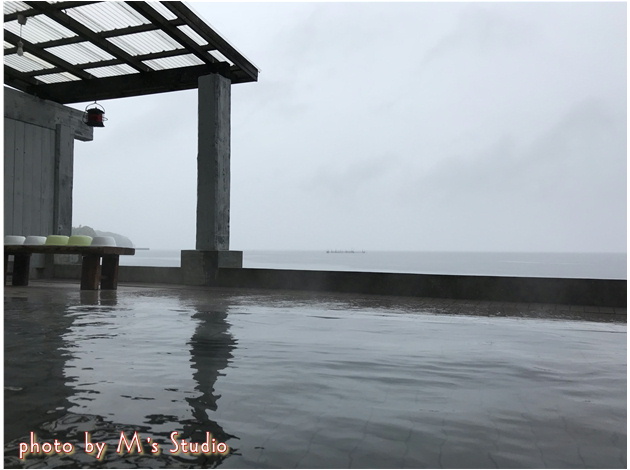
523, 264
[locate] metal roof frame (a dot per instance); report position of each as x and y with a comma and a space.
85, 51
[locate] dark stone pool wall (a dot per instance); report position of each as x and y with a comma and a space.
597, 292
600, 292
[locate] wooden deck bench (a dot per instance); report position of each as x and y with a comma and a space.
92, 273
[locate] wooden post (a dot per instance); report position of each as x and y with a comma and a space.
21, 267
90, 272
109, 272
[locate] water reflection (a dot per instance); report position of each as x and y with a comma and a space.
34, 359
99, 298
211, 350
103, 363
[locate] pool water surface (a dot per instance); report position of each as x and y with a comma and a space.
289, 379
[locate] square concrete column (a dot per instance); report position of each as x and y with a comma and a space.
64, 170
62, 193
200, 266
213, 164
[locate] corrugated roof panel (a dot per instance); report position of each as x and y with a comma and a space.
192, 35
86, 19
145, 43
104, 34
26, 63
111, 71
57, 77
174, 62
220, 57
106, 16
13, 7
39, 29
13, 27
80, 53
191, 6
162, 10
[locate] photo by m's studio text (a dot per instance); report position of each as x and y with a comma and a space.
131, 443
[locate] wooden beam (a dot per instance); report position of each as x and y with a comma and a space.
107, 63
147, 81
68, 250
18, 79
76, 27
141, 28
58, 6
206, 32
134, 84
47, 56
182, 38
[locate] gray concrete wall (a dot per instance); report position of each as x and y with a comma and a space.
38, 165
29, 178
596, 292
48, 114
599, 292
152, 275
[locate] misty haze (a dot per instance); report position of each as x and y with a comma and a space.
377, 126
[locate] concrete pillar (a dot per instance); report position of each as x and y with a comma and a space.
62, 194
213, 164
64, 168
200, 266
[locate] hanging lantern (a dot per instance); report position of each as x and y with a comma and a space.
94, 115
20, 45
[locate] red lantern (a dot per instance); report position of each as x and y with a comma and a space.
94, 115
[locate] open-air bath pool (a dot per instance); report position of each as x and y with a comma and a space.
289, 379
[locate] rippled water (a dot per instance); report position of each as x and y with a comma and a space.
313, 380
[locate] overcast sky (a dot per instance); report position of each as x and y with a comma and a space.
382, 126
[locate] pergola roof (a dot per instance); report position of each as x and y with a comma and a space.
85, 51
